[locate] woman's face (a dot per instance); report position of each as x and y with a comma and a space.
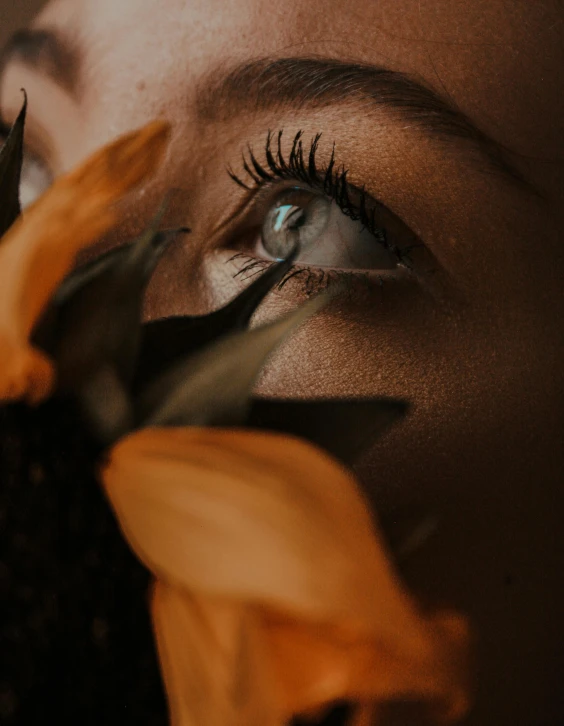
450, 116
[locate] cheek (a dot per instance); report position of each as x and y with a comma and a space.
479, 456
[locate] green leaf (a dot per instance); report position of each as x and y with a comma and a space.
11, 160
213, 387
98, 323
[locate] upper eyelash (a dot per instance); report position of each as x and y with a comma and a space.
332, 181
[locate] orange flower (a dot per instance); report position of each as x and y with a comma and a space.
274, 593
41, 247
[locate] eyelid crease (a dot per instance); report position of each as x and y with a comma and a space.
312, 82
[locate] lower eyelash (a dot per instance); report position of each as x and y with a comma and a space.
313, 279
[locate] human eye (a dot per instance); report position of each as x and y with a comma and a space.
341, 230
35, 177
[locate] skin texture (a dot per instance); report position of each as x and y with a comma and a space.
473, 340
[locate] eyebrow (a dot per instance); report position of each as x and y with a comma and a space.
295, 83
312, 83
47, 52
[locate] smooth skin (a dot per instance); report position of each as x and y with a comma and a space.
473, 338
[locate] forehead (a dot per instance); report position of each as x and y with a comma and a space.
500, 61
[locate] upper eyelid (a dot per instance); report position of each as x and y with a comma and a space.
277, 168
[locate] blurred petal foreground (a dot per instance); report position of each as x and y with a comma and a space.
273, 594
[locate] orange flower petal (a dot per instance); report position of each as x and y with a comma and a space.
214, 665
321, 663
271, 523
41, 247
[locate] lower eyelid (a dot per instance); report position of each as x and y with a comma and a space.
302, 280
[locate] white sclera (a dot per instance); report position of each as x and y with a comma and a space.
35, 179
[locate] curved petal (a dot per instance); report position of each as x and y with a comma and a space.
41, 246
273, 524
215, 665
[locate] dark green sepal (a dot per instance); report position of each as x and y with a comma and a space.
96, 329
166, 342
11, 160
213, 387
98, 321
48, 330
89, 270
